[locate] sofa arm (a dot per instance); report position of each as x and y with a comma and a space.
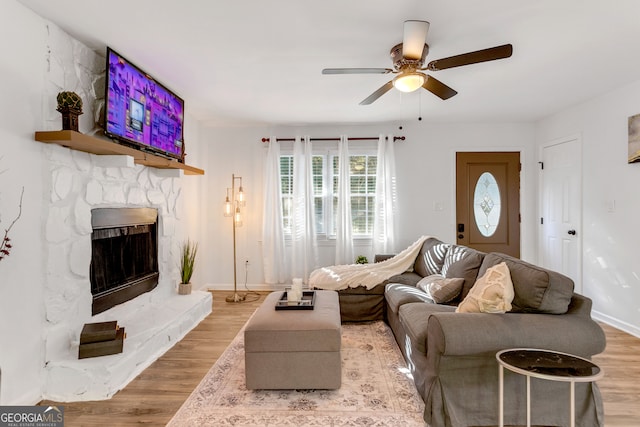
580, 305
459, 334
382, 257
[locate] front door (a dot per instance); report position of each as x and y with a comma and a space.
488, 201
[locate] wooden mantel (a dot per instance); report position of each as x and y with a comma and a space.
89, 144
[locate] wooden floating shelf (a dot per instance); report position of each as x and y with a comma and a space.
90, 144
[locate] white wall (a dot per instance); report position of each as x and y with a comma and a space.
426, 174
38, 60
611, 271
22, 67
232, 151
192, 211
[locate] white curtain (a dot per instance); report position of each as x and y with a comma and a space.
344, 234
385, 214
304, 252
272, 233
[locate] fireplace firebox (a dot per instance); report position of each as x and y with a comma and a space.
124, 255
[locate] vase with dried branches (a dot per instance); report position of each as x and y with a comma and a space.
5, 244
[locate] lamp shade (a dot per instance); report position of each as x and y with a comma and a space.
409, 82
241, 197
228, 207
237, 218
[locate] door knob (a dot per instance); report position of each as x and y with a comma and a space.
572, 232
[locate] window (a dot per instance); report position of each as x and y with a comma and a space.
486, 204
286, 183
286, 188
362, 179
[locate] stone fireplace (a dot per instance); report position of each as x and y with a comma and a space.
108, 206
75, 184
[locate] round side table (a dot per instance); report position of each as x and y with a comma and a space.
546, 365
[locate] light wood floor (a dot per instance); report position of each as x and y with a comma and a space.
620, 386
156, 394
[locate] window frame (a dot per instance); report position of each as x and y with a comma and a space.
327, 194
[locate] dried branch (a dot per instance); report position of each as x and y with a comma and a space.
5, 245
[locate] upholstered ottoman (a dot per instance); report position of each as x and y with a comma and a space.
294, 349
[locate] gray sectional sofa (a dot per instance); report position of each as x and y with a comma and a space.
451, 355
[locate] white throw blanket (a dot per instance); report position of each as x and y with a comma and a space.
338, 277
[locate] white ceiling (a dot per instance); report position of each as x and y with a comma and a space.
258, 61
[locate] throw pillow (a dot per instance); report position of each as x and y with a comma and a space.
424, 283
492, 293
441, 289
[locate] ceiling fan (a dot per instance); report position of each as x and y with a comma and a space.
408, 60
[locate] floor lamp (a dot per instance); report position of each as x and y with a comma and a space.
232, 209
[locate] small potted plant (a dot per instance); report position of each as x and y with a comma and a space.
187, 262
70, 106
361, 259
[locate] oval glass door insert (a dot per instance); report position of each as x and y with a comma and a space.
486, 204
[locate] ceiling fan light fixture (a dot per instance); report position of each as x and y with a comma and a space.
409, 82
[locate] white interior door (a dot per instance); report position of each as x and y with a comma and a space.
560, 208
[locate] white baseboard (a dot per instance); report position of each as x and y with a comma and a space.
618, 324
242, 288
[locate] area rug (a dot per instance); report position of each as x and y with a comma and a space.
377, 390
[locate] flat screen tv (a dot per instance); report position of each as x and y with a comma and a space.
141, 112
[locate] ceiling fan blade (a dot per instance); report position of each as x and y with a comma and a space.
415, 37
490, 54
356, 70
377, 94
438, 88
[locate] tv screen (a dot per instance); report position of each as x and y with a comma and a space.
140, 111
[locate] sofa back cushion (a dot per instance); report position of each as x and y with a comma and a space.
406, 278
396, 295
462, 261
537, 290
431, 257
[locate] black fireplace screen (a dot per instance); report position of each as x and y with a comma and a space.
124, 255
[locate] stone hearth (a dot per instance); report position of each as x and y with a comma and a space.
152, 327
154, 321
